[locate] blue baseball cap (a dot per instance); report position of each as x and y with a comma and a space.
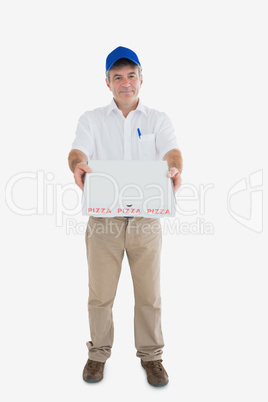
121, 53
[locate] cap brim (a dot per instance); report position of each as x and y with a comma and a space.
124, 57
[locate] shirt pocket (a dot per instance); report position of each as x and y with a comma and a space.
147, 148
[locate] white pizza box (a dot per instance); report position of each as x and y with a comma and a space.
128, 188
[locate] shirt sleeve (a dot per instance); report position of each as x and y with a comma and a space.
83, 137
165, 136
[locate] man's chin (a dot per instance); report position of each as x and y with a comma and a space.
127, 94
129, 99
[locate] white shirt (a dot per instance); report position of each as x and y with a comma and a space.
104, 133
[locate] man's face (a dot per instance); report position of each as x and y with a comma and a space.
125, 84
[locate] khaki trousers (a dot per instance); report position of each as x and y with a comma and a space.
106, 241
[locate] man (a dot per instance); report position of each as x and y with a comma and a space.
125, 130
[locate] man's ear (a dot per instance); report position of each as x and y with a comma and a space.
141, 80
107, 83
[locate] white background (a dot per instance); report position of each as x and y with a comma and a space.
205, 64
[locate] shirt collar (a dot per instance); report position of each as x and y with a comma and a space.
113, 106
141, 108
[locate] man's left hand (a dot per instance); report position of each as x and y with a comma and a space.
175, 175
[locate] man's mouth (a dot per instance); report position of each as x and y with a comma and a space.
126, 90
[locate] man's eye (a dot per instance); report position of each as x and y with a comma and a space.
117, 78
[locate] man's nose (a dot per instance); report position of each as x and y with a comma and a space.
126, 81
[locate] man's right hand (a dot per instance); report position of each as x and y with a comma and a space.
79, 172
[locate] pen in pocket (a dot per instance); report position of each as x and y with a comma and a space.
139, 132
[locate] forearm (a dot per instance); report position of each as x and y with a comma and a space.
75, 157
174, 159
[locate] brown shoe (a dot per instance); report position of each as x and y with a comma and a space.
93, 371
156, 374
